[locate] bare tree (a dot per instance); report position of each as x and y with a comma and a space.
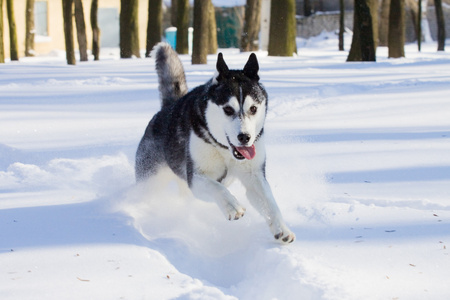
341, 25
384, 22
173, 12
154, 25
364, 36
200, 43
396, 36
249, 38
81, 30
129, 28
307, 8
29, 28
68, 31
13, 46
282, 28
182, 26
2, 46
95, 30
419, 25
441, 25
212, 29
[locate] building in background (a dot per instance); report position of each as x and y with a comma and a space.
229, 15
49, 34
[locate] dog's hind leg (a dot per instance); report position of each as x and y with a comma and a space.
148, 159
260, 196
205, 188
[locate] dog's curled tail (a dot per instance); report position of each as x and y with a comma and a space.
172, 81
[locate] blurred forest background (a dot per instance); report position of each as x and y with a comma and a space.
82, 28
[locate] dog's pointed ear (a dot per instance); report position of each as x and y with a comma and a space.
222, 69
252, 67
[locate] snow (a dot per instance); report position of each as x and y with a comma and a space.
358, 160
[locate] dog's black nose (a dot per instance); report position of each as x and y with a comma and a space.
243, 138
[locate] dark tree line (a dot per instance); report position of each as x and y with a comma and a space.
282, 28
365, 39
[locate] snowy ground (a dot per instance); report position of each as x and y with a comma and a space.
358, 159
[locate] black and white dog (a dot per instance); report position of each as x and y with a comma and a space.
211, 136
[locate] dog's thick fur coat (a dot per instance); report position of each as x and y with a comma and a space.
211, 136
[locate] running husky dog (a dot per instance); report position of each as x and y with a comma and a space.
212, 135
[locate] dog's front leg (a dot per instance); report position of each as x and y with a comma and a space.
205, 188
260, 196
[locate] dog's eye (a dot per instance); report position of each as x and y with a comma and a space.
253, 110
228, 110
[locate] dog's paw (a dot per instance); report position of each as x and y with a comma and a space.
285, 237
235, 213
282, 233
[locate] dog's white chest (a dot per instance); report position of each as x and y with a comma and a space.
207, 159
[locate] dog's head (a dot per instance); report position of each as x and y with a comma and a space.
237, 108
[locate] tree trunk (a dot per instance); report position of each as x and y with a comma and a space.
419, 26
95, 30
282, 28
129, 28
341, 25
29, 28
68, 31
154, 25
200, 42
249, 38
212, 29
440, 25
13, 46
2, 46
81, 30
363, 42
173, 12
307, 8
182, 26
384, 22
396, 36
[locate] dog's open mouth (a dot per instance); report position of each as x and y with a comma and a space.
244, 152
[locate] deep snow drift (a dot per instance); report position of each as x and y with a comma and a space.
358, 160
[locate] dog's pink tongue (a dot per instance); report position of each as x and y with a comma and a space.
247, 152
